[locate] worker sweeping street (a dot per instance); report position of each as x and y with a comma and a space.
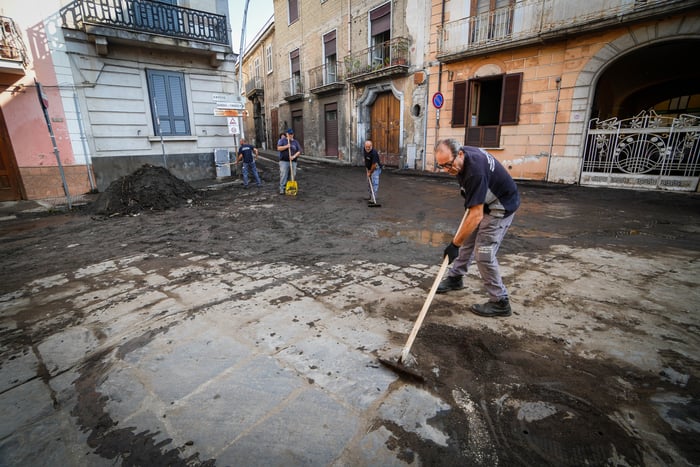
374, 169
491, 196
289, 150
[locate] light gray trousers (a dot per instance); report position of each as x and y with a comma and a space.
482, 246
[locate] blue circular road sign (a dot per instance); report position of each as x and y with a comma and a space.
438, 100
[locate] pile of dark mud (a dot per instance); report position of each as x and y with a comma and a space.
150, 188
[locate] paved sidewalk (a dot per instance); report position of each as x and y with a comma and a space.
222, 377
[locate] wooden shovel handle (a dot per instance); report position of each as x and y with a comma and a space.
428, 301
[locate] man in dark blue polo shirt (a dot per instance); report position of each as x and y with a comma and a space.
492, 197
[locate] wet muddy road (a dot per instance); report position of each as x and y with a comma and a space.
598, 364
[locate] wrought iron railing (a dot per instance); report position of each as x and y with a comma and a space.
254, 84
646, 151
531, 19
293, 87
324, 75
147, 16
393, 53
12, 46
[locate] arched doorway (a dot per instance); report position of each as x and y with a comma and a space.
380, 111
645, 115
384, 128
259, 120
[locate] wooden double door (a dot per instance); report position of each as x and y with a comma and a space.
386, 128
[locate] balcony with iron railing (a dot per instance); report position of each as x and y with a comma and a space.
325, 79
254, 87
293, 88
382, 60
536, 21
164, 25
13, 53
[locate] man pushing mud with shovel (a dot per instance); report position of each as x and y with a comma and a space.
491, 196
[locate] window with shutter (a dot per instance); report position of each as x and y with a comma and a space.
459, 104
168, 103
483, 105
293, 8
510, 107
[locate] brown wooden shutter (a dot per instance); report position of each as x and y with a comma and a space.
293, 11
473, 136
491, 137
459, 104
510, 100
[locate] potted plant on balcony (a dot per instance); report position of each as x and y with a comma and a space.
399, 53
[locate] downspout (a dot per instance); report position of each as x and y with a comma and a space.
439, 83
351, 89
425, 121
240, 71
554, 126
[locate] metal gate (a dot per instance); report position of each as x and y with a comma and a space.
647, 151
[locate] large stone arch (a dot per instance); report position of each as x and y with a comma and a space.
567, 167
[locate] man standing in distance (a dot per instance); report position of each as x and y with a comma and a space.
492, 197
248, 153
289, 150
374, 169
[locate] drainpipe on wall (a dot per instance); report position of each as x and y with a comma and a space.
554, 126
439, 83
425, 121
240, 74
351, 93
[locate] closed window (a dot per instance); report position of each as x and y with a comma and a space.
268, 58
293, 9
168, 103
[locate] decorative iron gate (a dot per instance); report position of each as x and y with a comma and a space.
647, 151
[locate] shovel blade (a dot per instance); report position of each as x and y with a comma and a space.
402, 370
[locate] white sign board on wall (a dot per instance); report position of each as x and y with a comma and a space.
233, 125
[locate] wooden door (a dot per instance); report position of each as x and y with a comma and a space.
9, 177
385, 128
331, 117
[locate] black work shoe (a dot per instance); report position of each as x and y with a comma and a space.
490, 309
450, 283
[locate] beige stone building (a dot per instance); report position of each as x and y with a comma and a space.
598, 93
346, 71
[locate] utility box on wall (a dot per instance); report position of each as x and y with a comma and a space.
410, 156
221, 161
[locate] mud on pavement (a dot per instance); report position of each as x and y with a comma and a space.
597, 366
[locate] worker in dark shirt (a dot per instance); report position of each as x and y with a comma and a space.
492, 197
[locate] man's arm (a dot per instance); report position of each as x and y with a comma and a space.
476, 213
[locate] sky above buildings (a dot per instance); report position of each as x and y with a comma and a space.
259, 11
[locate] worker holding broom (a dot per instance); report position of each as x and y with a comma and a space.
374, 169
289, 150
491, 196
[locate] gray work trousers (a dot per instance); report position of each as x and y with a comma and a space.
482, 246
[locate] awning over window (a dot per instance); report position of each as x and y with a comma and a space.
380, 19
